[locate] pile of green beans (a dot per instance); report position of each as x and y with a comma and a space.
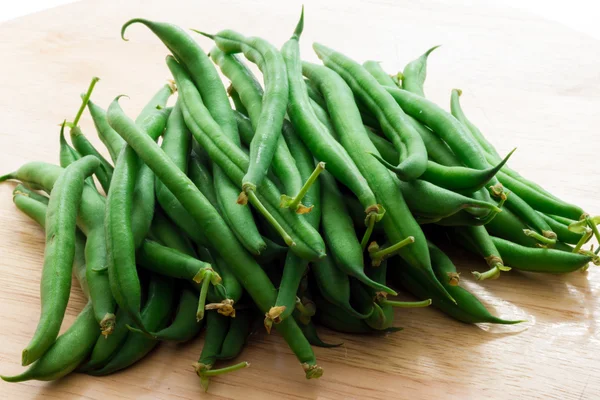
315, 195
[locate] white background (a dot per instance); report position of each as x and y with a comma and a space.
581, 15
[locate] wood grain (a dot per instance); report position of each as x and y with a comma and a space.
527, 83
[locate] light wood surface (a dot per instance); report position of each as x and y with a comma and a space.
527, 83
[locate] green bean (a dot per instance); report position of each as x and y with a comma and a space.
91, 222
126, 226
335, 318
415, 72
185, 326
334, 285
66, 353
20, 189
106, 346
58, 255
155, 316
562, 231
533, 259
481, 242
539, 201
316, 136
467, 309
69, 155
233, 161
176, 146
237, 335
85, 147
391, 117
75, 344
398, 221
268, 128
235, 99
166, 233
338, 231
255, 281
216, 331
251, 96
457, 178
295, 268
374, 68
113, 142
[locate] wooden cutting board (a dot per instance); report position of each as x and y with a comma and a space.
527, 83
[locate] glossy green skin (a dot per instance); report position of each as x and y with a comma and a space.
337, 319
533, 259
482, 242
59, 254
415, 73
295, 267
69, 155
91, 222
251, 95
185, 326
167, 234
340, 235
237, 335
316, 137
507, 225
85, 148
75, 344
66, 353
237, 102
391, 117
152, 119
428, 200
397, 221
233, 288
249, 273
106, 347
467, 309
169, 262
126, 226
155, 315
201, 69
458, 137
456, 178
239, 218
217, 327
202, 178
176, 145
275, 99
561, 230
374, 68
234, 161
539, 201
334, 285
20, 189
35, 206
113, 142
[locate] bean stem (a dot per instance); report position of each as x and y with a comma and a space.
540, 238
590, 222
378, 255
206, 279
368, 232
261, 208
586, 236
221, 371
295, 203
86, 98
406, 304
